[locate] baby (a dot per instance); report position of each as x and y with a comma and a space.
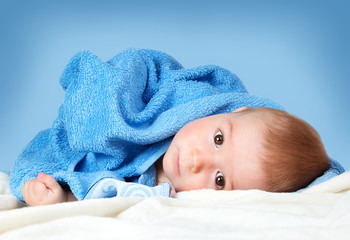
250, 148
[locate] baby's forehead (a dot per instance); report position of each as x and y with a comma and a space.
262, 112
250, 112
257, 119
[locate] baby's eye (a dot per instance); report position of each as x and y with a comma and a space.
218, 139
220, 180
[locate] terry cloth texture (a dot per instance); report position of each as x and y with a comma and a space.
118, 117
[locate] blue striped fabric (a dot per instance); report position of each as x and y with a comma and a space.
109, 187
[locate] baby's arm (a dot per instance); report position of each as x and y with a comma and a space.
45, 190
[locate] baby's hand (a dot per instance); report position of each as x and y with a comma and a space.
43, 190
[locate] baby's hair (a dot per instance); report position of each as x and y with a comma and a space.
294, 154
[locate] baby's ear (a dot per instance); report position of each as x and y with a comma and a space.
241, 109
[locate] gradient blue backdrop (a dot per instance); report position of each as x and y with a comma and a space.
294, 52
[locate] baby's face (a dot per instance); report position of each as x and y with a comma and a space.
217, 152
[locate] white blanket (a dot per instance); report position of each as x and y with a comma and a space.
322, 212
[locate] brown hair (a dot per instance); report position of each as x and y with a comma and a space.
294, 154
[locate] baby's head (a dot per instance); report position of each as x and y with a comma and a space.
294, 154
250, 148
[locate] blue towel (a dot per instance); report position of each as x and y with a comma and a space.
118, 117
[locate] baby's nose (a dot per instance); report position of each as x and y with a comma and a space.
198, 161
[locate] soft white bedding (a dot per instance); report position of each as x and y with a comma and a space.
322, 212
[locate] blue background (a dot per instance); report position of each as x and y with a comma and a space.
294, 52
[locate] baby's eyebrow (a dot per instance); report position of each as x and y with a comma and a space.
229, 185
229, 127
232, 185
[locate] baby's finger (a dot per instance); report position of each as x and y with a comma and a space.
34, 192
49, 181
